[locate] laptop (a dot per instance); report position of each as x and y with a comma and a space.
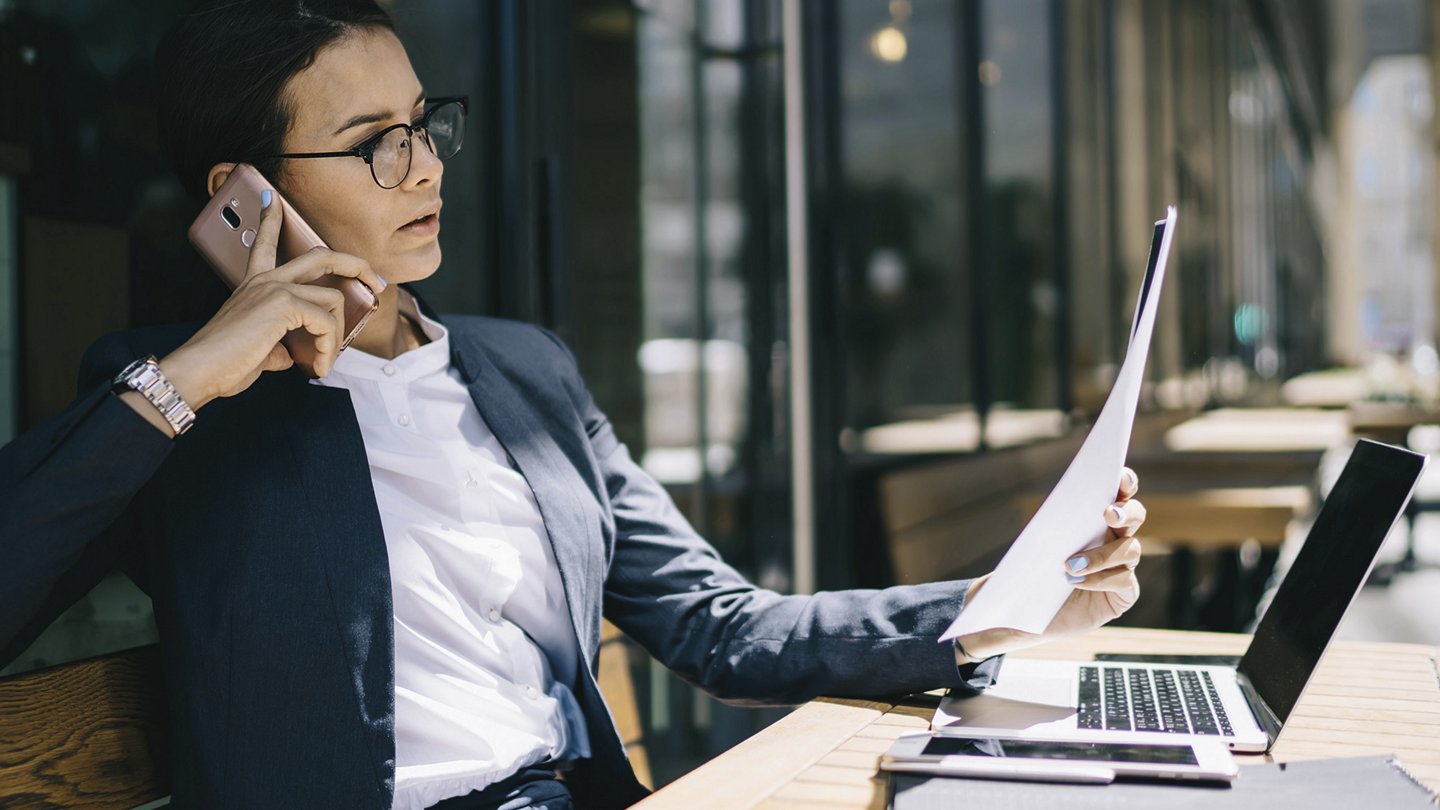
1245, 705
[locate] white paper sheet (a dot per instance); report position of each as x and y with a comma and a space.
1029, 586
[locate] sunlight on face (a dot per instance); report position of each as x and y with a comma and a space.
366, 73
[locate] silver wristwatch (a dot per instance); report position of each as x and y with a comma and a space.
144, 375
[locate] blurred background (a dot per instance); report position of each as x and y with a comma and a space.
851, 283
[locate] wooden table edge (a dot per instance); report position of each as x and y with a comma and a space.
754, 770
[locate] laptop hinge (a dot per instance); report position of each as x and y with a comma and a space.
1264, 716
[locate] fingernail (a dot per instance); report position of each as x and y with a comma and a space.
1078, 563
383, 282
1074, 580
265, 197
1114, 514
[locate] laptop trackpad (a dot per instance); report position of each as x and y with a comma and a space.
1023, 702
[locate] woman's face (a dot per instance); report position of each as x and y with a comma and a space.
367, 74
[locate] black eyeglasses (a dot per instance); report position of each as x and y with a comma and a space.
388, 151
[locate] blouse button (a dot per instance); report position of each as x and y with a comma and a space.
531, 692
403, 420
389, 369
494, 615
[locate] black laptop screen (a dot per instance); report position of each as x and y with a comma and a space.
1328, 572
1155, 243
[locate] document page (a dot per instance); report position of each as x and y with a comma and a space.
1029, 585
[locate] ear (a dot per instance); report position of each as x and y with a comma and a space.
219, 173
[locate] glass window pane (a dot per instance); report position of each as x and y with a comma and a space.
1019, 109
907, 282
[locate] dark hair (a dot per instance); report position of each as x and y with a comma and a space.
221, 72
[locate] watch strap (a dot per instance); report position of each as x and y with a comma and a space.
144, 375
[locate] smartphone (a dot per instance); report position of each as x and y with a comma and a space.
995, 757
225, 231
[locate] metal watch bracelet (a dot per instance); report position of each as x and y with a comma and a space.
144, 375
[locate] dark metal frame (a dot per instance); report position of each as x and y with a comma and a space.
527, 64
365, 150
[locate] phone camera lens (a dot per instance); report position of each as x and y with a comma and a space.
231, 218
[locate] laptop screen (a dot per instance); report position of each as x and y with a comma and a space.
1328, 572
1150, 266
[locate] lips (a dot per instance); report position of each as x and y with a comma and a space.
429, 211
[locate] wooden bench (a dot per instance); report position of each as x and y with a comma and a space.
94, 734
954, 518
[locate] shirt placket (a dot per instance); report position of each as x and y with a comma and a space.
395, 394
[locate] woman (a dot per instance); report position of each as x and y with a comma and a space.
383, 587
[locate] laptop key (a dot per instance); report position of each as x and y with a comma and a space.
1147, 716
1088, 713
1221, 717
1117, 705
1202, 719
1172, 713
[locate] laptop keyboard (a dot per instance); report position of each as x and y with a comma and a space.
1134, 699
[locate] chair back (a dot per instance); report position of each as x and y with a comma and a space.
91, 733
95, 733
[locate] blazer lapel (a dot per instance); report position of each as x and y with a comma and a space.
556, 484
341, 513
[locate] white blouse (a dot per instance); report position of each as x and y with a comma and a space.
484, 650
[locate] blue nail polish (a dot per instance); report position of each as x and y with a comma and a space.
1078, 563
1074, 580
265, 197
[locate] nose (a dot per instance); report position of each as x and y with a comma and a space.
425, 165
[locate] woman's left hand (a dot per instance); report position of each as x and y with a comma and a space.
1104, 579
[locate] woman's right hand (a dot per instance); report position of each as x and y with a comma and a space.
242, 339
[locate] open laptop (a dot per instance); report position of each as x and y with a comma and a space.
1244, 705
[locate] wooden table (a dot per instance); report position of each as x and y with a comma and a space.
1366, 698
1389, 422
1259, 430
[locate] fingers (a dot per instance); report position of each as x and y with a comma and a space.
267, 236
279, 359
320, 262
327, 346
1115, 580
1125, 517
1129, 484
1116, 554
975, 587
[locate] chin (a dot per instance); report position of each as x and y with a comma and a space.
412, 269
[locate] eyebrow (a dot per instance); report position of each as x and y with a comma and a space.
370, 118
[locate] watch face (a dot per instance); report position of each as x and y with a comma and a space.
125, 373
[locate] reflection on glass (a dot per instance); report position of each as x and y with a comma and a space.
693, 357
1015, 71
906, 271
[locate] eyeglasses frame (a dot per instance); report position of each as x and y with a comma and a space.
365, 150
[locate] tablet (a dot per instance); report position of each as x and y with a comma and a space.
996, 757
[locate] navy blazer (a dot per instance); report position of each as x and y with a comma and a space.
258, 538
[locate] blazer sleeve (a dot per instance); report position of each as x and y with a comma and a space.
65, 486
668, 589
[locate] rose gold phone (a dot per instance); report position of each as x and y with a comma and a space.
225, 231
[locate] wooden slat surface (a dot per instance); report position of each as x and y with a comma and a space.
619, 690
1365, 698
91, 734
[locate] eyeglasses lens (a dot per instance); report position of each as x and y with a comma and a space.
446, 129
442, 133
392, 158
